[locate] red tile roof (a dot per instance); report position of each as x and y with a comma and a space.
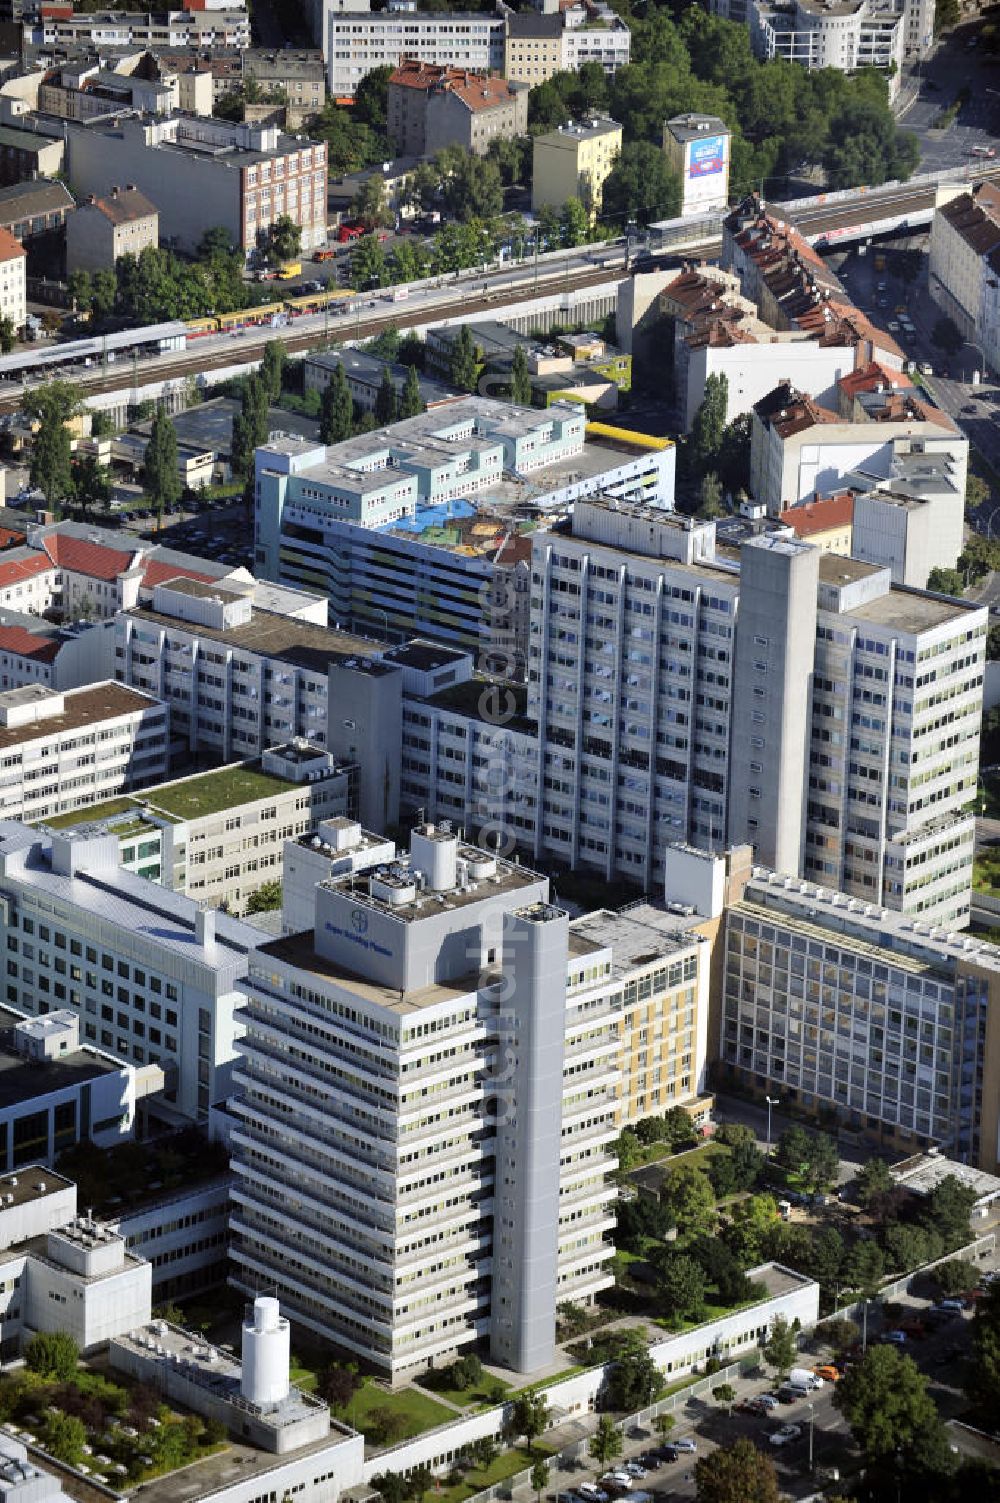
873, 376
10, 248
477, 91
82, 557
13, 570
28, 644
820, 515
157, 572
10, 539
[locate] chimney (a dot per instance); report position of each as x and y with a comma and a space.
204, 927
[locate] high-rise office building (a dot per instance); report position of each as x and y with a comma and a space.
429, 1092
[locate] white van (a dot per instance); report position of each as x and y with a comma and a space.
801, 1377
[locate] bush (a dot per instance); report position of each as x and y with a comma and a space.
64, 1437
955, 1276
52, 1354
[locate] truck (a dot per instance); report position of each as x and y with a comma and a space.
290, 271
325, 255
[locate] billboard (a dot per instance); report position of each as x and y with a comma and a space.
707, 157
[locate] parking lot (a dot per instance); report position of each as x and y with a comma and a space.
939, 1346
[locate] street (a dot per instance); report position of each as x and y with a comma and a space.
955, 64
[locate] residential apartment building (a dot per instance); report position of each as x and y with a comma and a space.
59, 751
81, 91
847, 35
368, 520
429, 107
152, 976
32, 210
220, 836
574, 162
532, 47
205, 173
965, 235
122, 223
356, 41
828, 523
397, 1009
35, 651
297, 73
25, 156
836, 1004
193, 28
13, 280
684, 691
698, 149
593, 33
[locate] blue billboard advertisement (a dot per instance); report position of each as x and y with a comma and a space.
707, 156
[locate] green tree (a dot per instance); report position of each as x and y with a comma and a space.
162, 477
250, 426
8, 335
885, 1401
574, 224
52, 1354
864, 1269
982, 1376
539, 1478
91, 483
822, 1162
664, 1425
369, 206
284, 239
80, 290
338, 1382
687, 1195
947, 1209
385, 400
792, 1152
838, 1333
336, 421
471, 186
738, 1473
64, 1437
946, 14
943, 581
955, 1276
781, 1348
710, 496
874, 1181
104, 292
421, 1481
368, 268
272, 368
606, 1441
640, 188
705, 440
265, 899
53, 406
725, 1394
628, 1149
751, 1221
411, 403
371, 97
520, 378
464, 367
680, 1284
634, 1381
530, 1416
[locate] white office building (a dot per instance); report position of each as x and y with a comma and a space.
842, 34
61, 751
359, 40
428, 1099
152, 976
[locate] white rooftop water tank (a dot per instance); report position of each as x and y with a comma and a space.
266, 1352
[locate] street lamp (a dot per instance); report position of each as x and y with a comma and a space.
771, 1101
812, 1425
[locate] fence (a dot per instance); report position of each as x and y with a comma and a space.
980, 1248
580, 1449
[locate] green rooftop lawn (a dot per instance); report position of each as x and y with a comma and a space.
210, 792
90, 812
507, 1464
417, 1412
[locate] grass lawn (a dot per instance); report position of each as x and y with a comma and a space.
88, 812
417, 1411
655, 1153
507, 1464
488, 1390
986, 873
211, 791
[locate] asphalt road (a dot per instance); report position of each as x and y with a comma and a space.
954, 65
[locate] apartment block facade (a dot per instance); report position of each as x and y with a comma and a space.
574, 162
61, 751
773, 696
357, 41
818, 34
835, 1003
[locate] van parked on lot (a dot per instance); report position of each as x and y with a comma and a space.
801, 1376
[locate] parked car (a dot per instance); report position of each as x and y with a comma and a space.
751, 1406
956, 1305
634, 1469
893, 1338
667, 1453
786, 1435
769, 1400
828, 1371
685, 1445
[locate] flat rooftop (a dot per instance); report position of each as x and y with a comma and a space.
502, 879
914, 610
299, 950
425, 656
32, 1182
23, 1079
925, 1172
477, 698
640, 937
81, 707
270, 635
